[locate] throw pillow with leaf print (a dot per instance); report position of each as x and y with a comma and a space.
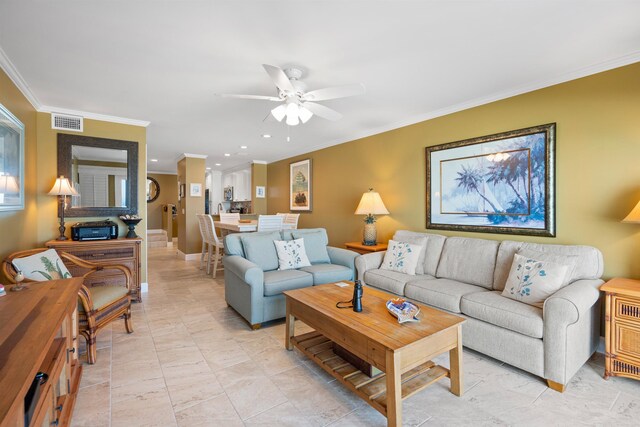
401, 257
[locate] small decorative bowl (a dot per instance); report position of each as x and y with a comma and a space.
404, 310
244, 221
131, 223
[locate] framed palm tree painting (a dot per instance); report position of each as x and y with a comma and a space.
502, 183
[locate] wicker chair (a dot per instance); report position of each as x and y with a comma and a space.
97, 306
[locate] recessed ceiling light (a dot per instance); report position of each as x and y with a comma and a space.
266, 135
154, 160
208, 169
227, 155
244, 147
218, 164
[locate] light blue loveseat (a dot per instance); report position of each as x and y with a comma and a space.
254, 285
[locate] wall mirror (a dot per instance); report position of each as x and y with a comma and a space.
103, 171
11, 162
153, 189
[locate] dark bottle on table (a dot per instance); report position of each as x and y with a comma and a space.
357, 297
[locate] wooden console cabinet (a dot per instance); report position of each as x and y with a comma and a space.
622, 335
39, 333
105, 252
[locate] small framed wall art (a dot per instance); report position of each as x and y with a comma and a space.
502, 183
195, 190
300, 190
260, 192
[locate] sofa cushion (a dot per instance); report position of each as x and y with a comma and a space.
260, 250
233, 244
589, 264
414, 239
491, 307
328, 273
435, 243
532, 281
468, 260
102, 296
315, 243
278, 281
441, 293
402, 257
388, 280
291, 254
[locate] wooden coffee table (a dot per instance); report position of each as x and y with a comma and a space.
402, 352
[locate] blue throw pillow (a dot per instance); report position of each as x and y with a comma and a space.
315, 246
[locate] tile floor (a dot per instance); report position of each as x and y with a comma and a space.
192, 361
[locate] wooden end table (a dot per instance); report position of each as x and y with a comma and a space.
622, 328
364, 249
402, 352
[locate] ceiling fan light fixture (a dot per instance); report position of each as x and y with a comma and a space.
292, 119
304, 114
279, 112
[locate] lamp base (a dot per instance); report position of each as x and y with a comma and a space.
369, 235
62, 229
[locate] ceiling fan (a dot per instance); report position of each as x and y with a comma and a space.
298, 105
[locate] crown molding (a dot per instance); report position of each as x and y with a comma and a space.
193, 156
16, 78
94, 116
540, 84
162, 173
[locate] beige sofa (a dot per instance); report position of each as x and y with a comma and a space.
466, 276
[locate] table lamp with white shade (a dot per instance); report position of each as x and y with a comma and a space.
371, 204
62, 188
634, 215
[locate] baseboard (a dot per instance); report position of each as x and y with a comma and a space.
188, 257
144, 287
601, 347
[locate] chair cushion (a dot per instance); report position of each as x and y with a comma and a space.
275, 282
291, 254
102, 296
493, 308
388, 280
260, 250
403, 257
328, 273
315, 244
441, 293
42, 266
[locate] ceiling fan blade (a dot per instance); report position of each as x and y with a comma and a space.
322, 111
335, 92
279, 78
260, 97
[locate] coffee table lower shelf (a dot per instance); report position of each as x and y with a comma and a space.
371, 389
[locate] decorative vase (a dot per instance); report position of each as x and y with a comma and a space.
131, 223
369, 235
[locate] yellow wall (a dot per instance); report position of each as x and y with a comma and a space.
47, 166
598, 177
168, 194
258, 178
18, 229
191, 170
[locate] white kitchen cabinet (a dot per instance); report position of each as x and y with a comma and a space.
240, 180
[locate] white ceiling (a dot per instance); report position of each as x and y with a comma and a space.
163, 61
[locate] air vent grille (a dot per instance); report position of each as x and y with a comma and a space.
66, 122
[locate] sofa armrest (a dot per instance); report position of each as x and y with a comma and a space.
571, 329
567, 305
369, 262
245, 270
342, 257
